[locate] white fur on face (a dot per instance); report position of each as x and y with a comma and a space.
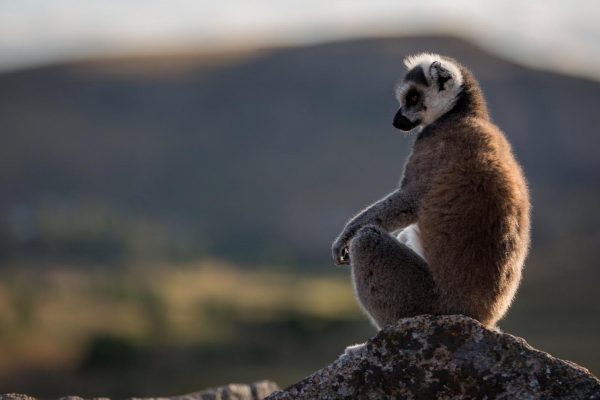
436, 101
426, 59
401, 91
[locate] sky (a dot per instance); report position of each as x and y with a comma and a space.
552, 34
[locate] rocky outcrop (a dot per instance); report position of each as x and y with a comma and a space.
426, 357
445, 357
254, 391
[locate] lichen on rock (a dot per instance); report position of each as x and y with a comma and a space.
445, 357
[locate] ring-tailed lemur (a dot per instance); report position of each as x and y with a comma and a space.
462, 209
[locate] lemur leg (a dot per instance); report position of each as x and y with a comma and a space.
391, 281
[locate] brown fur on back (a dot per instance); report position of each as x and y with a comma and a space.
474, 220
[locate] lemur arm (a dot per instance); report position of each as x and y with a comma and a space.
396, 210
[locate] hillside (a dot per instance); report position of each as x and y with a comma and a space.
257, 157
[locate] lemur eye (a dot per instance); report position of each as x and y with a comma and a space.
412, 98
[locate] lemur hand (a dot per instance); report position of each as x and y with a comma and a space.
340, 249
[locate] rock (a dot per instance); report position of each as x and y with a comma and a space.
234, 391
15, 396
445, 357
255, 391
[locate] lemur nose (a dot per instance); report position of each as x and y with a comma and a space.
403, 123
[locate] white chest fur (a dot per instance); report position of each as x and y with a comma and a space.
411, 237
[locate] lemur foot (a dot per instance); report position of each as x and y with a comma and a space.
354, 349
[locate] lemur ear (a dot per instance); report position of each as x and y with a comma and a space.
441, 76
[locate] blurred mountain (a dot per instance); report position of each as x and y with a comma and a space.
261, 156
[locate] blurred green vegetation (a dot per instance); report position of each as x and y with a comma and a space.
159, 329
92, 232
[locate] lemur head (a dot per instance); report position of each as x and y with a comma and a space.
429, 89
